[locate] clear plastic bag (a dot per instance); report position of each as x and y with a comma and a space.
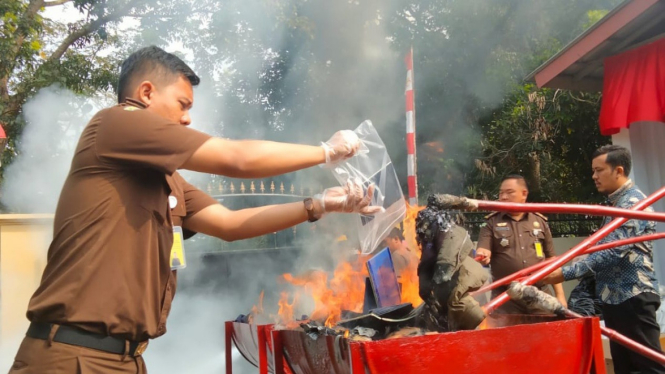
373, 165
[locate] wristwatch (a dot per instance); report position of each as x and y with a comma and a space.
309, 207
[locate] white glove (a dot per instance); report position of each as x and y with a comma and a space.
341, 146
348, 199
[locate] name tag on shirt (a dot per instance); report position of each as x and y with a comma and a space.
539, 250
178, 260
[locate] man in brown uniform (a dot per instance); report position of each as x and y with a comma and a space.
510, 242
403, 257
110, 279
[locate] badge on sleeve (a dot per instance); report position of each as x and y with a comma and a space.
178, 250
539, 250
173, 201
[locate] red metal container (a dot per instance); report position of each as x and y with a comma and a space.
254, 343
512, 345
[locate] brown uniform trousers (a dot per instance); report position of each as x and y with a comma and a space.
37, 356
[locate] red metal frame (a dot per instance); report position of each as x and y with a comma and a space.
594, 210
502, 350
228, 346
573, 252
524, 272
263, 350
626, 342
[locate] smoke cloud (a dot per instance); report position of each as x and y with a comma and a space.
269, 72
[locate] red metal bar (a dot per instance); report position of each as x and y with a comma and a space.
626, 342
594, 210
598, 358
524, 272
575, 251
357, 361
263, 354
228, 346
278, 352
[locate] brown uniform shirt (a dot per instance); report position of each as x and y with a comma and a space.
108, 265
513, 243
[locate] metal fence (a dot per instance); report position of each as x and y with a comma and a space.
238, 194
561, 225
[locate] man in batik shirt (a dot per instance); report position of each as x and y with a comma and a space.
625, 279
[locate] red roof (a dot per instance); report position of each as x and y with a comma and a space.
579, 65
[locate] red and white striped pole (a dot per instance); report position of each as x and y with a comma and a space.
411, 132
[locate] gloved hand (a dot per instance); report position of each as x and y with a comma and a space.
348, 199
342, 145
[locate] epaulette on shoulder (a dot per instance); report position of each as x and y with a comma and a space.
540, 215
490, 215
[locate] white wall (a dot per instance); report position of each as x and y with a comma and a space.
645, 141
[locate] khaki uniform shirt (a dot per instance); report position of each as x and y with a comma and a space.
108, 267
515, 245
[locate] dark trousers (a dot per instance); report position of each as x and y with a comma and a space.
636, 319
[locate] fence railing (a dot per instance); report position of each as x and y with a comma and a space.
561, 225
262, 191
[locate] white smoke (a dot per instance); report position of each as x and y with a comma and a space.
54, 118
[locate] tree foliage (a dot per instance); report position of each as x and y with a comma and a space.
545, 135
296, 70
37, 52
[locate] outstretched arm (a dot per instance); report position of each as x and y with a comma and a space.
229, 225
260, 159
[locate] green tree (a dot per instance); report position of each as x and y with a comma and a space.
469, 56
546, 135
37, 52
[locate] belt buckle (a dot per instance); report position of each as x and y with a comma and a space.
140, 348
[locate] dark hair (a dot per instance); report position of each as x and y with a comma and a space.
396, 233
155, 64
520, 180
616, 156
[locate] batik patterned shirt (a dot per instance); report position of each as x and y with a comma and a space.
625, 271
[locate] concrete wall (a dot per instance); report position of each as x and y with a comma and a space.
561, 245
24, 241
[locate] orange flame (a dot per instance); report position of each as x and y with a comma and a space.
409, 276
256, 309
285, 312
345, 291
410, 227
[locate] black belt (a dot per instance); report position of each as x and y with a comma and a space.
82, 338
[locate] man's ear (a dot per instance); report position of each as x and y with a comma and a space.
146, 90
620, 171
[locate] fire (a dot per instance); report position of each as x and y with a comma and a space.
345, 291
410, 227
256, 309
409, 277
285, 312
434, 146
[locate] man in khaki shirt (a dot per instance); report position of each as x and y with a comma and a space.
403, 257
110, 276
511, 242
